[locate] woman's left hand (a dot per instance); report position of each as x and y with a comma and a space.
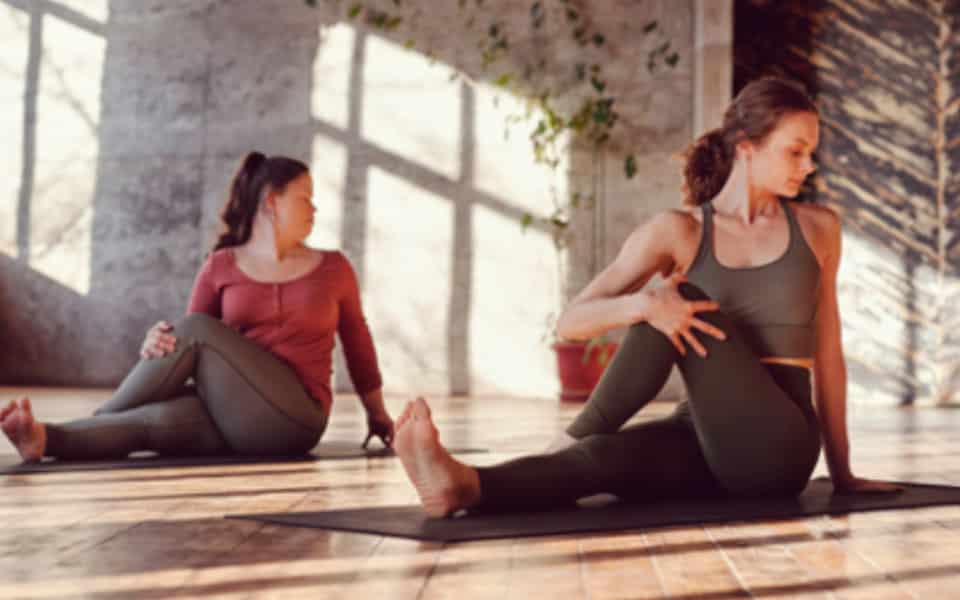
380, 425
858, 485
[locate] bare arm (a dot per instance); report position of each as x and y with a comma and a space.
830, 371
830, 377
379, 422
608, 302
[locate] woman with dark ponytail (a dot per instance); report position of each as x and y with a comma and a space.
247, 371
749, 285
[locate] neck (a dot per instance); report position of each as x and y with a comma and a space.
266, 243
739, 197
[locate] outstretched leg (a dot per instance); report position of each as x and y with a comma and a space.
178, 426
593, 465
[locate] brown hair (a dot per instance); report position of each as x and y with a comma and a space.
752, 115
256, 176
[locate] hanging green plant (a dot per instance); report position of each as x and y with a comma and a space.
595, 118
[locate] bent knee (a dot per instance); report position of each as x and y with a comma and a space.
196, 325
600, 448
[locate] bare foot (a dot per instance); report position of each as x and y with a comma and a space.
24, 432
443, 484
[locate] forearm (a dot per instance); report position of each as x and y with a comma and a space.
373, 402
832, 412
586, 319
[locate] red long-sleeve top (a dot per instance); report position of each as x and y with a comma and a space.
294, 320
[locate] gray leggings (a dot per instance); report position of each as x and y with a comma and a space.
748, 428
243, 400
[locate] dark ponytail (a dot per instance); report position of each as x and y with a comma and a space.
752, 115
257, 174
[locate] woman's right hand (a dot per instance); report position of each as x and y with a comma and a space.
158, 343
676, 317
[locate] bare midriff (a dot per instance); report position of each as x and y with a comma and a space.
806, 363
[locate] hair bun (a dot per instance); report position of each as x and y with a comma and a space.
708, 162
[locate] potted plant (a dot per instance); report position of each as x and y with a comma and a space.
580, 366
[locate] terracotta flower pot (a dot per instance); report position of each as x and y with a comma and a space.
579, 369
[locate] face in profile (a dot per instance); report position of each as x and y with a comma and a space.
781, 162
294, 208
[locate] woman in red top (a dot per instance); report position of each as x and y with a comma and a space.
247, 371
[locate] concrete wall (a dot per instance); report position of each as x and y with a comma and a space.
125, 119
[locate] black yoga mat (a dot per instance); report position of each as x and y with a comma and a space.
410, 522
12, 465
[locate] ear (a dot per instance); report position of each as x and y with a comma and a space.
269, 205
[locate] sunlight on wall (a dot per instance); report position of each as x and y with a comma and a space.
410, 156
328, 168
516, 281
407, 284
411, 107
67, 153
513, 290
330, 100
14, 48
66, 140
504, 156
872, 306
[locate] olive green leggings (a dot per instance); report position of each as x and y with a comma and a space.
748, 428
244, 400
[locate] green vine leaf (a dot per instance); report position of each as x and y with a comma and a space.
526, 221
598, 85
392, 23
592, 121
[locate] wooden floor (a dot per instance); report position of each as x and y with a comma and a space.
160, 533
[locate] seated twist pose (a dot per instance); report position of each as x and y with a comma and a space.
247, 371
747, 311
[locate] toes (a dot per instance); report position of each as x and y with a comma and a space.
25, 405
421, 409
9, 408
405, 415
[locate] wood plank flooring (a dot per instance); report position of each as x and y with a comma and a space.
160, 533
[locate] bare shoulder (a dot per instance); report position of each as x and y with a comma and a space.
669, 237
821, 226
666, 224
